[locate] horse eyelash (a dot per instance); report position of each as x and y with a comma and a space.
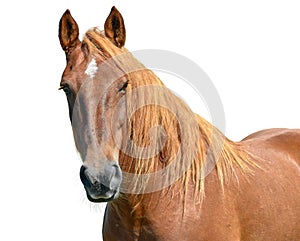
123, 88
65, 88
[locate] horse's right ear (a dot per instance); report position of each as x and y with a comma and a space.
68, 31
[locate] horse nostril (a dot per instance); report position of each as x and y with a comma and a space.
83, 177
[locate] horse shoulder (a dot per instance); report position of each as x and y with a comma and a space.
273, 190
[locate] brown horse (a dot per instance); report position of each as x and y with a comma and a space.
166, 173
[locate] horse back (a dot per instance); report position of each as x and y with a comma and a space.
283, 142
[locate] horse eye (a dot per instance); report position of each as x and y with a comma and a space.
123, 88
66, 89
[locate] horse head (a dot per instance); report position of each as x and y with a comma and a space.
93, 96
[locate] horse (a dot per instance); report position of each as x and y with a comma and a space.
165, 172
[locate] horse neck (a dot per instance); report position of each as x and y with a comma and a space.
214, 153
201, 144
177, 143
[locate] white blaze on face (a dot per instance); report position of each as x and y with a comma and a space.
92, 69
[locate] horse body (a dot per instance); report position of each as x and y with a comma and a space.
263, 206
249, 190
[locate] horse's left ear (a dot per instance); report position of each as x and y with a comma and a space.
114, 28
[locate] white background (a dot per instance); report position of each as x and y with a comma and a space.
250, 50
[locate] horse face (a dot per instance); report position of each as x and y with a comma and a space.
93, 104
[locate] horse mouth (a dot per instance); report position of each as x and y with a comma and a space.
110, 196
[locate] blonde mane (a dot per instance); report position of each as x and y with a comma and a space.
210, 151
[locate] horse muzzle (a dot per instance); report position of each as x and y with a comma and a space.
101, 185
